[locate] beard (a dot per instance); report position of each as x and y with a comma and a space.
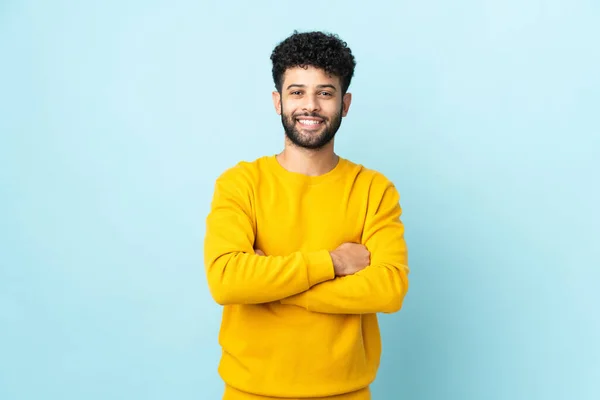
314, 140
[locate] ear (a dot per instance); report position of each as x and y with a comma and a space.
346, 100
277, 101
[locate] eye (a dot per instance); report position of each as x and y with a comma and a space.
296, 93
325, 94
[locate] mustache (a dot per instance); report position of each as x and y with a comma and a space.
307, 114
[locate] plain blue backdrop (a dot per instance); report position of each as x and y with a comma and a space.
117, 116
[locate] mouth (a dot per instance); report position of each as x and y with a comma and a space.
310, 122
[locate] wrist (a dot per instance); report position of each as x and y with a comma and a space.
335, 258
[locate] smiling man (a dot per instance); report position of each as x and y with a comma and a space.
304, 248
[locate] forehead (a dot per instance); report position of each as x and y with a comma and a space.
309, 76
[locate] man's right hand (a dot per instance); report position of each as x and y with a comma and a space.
350, 258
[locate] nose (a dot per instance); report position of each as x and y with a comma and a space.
311, 104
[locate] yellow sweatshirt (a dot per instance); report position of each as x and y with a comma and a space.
291, 328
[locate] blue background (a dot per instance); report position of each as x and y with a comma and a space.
116, 117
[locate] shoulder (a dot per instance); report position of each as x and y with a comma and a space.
243, 171
377, 187
379, 190
242, 177
376, 179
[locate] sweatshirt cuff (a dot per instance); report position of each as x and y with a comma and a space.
319, 267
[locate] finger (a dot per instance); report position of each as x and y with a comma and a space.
259, 252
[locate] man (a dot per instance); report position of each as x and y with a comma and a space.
304, 248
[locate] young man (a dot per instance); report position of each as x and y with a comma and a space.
304, 248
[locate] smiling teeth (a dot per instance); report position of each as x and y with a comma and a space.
309, 122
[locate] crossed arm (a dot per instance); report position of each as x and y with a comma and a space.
237, 275
382, 285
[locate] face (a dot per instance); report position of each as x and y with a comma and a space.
311, 106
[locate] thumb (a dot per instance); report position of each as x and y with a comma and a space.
259, 252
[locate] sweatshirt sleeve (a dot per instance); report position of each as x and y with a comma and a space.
235, 274
381, 286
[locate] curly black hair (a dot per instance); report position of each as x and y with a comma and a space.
317, 49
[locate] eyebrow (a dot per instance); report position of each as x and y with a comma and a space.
327, 85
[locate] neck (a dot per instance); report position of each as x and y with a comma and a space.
308, 162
